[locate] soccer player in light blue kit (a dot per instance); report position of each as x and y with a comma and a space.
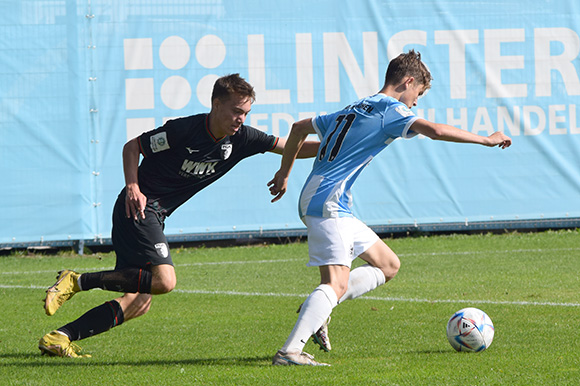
350, 138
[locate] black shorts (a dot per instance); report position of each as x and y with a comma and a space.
138, 243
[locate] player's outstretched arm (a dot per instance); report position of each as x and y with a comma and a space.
292, 148
309, 149
442, 132
135, 201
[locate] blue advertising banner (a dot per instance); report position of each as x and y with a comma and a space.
80, 78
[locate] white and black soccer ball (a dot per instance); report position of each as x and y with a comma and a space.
470, 329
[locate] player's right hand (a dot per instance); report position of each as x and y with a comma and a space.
135, 202
278, 185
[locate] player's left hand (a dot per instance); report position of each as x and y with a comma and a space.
278, 185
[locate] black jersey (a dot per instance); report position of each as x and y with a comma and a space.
182, 157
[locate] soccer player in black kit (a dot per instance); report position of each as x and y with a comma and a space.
179, 159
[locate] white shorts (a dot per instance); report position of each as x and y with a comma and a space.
337, 240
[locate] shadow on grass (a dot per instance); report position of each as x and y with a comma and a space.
34, 360
430, 352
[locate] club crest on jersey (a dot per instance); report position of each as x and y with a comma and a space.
226, 150
404, 111
158, 142
162, 249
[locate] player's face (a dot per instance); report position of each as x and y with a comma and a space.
412, 93
231, 114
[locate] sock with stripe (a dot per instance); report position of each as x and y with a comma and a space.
128, 280
95, 321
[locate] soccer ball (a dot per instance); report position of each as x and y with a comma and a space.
470, 329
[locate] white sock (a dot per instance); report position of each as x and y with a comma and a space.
62, 333
315, 310
362, 280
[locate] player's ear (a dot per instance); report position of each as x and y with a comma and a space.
409, 81
216, 104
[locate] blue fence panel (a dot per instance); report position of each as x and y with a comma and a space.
80, 78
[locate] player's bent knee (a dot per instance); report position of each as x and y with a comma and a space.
391, 269
164, 280
163, 287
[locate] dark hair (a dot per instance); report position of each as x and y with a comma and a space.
227, 85
408, 64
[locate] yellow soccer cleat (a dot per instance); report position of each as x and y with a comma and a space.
56, 344
65, 287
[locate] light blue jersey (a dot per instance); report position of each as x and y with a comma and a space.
349, 139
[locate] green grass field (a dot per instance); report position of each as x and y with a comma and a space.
234, 307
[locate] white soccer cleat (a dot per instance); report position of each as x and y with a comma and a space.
295, 358
321, 338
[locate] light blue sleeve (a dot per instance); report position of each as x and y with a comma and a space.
398, 119
321, 124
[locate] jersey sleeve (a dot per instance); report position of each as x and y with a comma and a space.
258, 142
161, 139
321, 123
398, 119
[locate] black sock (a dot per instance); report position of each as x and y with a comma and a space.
95, 321
129, 280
